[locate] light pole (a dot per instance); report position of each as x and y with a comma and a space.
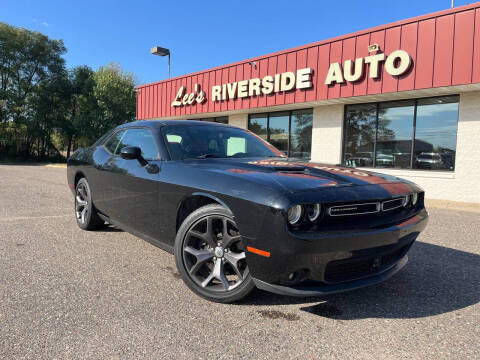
157, 50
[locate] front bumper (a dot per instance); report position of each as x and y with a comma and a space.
324, 263
324, 289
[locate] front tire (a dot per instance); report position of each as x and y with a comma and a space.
85, 213
210, 257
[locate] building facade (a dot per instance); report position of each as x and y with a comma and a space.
402, 99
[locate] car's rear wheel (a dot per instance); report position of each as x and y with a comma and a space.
85, 213
210, 257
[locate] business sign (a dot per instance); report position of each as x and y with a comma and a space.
396, 63
286, 81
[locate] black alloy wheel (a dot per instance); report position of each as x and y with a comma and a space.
210, 256
85, 213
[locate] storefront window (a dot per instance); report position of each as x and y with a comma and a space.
360, 131
385, 134
301, 134
278, 131
394, 134
436, 133
258, 124
288, 131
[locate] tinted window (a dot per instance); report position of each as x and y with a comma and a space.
394, 134
288, 131
258, 124
191, 141
301, 134
360, 134
278, 131
436, 133
143, 139
391, 127
113, 142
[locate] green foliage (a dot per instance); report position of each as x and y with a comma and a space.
45, 109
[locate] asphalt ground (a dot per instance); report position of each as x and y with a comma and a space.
71, 294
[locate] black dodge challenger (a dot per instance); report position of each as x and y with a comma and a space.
238, 214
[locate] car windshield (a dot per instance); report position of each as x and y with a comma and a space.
428, 157
213, 141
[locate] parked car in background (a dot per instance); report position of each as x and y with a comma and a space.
429, 160
385, 160
237, 214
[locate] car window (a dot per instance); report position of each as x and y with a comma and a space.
103, 138
236, 145
174, 138
142, 138
197, 141
113, 142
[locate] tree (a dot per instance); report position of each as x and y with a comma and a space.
83, 106
44, 108
28, 59
116, 98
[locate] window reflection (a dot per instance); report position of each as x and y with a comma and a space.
360, 135
278, 131
301, 134
394, 134
288, 131
395, 124
258, 125
436, 133
143, 139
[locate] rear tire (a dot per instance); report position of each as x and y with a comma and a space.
210, 257
85, 212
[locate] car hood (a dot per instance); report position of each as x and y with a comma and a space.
293, 175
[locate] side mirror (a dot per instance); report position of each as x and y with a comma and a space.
130, 153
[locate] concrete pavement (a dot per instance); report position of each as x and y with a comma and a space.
71, 294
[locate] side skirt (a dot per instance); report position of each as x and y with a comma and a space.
159, 244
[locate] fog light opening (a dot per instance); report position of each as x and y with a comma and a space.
296, 277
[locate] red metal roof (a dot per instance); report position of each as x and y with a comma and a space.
444, 47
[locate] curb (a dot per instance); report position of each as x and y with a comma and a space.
452, 205
63, 166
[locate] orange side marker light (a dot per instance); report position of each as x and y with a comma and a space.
258, 251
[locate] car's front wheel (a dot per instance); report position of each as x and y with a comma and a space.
210, 257
85, 212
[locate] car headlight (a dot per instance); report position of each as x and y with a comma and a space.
414, 198
313, 212
295, 214
406, 200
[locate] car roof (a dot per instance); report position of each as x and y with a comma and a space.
158, 123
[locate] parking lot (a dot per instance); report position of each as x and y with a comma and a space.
67, 293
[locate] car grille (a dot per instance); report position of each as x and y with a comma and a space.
393, 204
366, 208
354, 268
354, 209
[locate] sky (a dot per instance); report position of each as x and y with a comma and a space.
199, 34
